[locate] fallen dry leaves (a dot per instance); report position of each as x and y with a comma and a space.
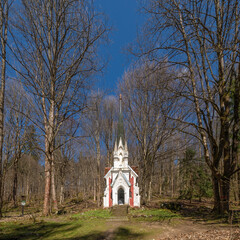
224, 234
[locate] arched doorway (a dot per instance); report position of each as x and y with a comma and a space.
120, 196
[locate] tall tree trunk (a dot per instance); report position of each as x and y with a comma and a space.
151, 165
46, 204
94, 189
238, 184
3, 32
143, 182
15, 165
27, 188
54, 195
160, 179
234, 187
224, 195
150, 188
15, 183
172, 178
98, 169
216, 194
236, 129
61, 198
149, 192
50, 126
47, 191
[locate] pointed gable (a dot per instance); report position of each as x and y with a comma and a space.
118, 177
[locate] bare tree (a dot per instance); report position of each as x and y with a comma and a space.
109, 110
64, 154
4, 15
93, 127
57, 52
146, 104
16, 103
201, 38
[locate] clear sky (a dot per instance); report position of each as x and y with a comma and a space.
125, 19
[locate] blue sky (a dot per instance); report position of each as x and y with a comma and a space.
125, 19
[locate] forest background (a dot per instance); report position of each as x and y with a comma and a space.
181, 99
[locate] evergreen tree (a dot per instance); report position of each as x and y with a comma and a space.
195, 181
32, 144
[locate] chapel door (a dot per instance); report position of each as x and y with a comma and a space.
120, 196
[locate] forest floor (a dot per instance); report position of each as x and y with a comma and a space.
163, 220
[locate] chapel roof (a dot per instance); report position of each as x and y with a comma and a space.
106, 170
135, 169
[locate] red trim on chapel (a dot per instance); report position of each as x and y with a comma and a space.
131, 199
110, 192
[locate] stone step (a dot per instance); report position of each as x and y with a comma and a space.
119, 219
119, 210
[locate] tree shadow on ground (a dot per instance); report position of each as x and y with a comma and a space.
119, 233
199, 212
35, 231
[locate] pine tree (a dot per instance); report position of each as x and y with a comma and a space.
196, 181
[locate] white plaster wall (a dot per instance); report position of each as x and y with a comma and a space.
116, 162
113, 176
136, 197
125, 162
105, 201
106, 197
126, 175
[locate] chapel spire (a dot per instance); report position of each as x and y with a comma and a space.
120, 103
120, 126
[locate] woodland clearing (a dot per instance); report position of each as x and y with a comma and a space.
183, 220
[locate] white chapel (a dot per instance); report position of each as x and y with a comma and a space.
121, 179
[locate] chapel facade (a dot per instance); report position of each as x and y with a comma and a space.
121, 179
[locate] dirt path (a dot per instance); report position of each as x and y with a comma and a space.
196, 231
121, 228
181, 230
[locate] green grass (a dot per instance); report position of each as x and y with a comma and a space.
89, 225
93, 224
152, 214
93, 214
54, 228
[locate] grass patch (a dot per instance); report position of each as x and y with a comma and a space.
93, 214
92, 224
86, 225
66, 229
53, 229
152, 214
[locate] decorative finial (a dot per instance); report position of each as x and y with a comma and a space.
120, 100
